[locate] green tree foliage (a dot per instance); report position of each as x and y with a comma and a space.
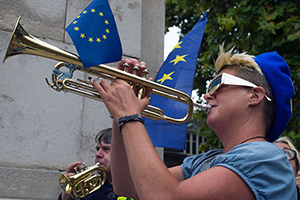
254, 26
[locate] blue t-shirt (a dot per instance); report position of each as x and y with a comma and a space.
262, 165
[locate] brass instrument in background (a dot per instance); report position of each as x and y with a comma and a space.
23, 43
84, 182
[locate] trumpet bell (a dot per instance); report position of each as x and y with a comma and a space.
21, 42
64, 183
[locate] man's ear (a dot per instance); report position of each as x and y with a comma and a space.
257, 95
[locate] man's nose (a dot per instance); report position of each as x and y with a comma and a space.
99, 153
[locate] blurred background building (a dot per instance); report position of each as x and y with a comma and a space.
42, 131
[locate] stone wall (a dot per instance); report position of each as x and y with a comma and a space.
42, 131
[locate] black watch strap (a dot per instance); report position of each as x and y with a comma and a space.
126, 119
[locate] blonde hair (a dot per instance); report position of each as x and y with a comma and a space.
286, 140
243, 60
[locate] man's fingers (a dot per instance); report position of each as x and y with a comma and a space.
71, 167
101, 87
133, 66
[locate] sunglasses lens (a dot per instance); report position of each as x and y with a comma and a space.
290, 154
214, 84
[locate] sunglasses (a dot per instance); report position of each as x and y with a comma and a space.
290, 154
228, 79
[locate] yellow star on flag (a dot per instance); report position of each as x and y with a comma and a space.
177, 46
178, 58
82, 35
166, 77
91, 39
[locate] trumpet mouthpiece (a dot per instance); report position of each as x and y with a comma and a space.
205, 107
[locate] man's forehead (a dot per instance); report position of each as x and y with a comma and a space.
103, 144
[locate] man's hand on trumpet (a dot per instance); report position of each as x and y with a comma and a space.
118, 95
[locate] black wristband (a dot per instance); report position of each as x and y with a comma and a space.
126, 119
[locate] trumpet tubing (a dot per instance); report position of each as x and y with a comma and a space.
23, 43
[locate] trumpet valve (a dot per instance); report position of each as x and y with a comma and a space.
125, 65
135, 69
145, 72
142, 89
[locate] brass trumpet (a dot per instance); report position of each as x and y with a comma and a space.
84, 182
23, 43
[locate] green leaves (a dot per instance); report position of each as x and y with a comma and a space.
227, 23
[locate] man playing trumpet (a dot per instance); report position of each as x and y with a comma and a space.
102, 156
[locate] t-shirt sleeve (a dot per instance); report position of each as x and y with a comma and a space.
187, 166
193, 165
259, 164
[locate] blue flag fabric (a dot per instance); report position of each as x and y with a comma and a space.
95, 35
178, 72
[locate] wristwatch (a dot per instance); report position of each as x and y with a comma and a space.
126, 119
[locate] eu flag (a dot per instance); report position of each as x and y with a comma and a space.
95, 35
178, 72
